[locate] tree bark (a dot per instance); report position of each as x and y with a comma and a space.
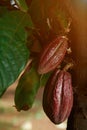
78, 36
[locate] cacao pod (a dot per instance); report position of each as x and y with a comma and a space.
53, 54
26, 90
58, 96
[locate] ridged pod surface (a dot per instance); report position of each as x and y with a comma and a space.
58, 96
53, 54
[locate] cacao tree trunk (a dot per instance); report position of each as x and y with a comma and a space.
78, 36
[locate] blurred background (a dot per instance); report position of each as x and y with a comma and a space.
34, 119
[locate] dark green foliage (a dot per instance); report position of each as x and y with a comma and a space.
13, 51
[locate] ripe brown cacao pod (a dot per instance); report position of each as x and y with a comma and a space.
53, 54
58, 96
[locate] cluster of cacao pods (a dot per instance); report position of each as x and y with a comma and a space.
58, 93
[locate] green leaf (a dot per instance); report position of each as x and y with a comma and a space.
13, 51
22, 5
